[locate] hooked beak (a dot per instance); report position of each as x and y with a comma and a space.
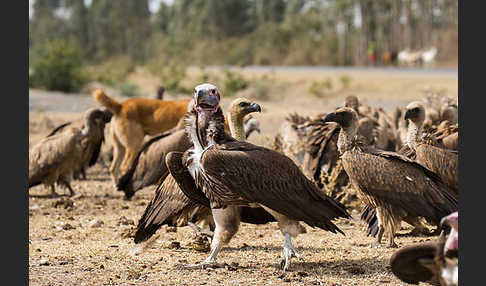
254, 107
206, 100
330, 117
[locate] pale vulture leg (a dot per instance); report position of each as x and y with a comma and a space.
227, 222
289, 228
381, 229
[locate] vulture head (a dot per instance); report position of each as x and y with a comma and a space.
238, 109
352, 102
206, 98
415, 112
434, 262
94, 117
348, 119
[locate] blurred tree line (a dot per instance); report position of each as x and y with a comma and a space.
245, 32
279, 32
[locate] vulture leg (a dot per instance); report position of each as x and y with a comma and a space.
287, 252
83, 174
418, 227
227, 222
53, 192
200, 231
68, 186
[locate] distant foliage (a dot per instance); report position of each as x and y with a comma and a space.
111, 72
233, 82
321, 88
58, 67
345, 81
129, 90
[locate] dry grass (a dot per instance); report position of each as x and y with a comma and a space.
70, 246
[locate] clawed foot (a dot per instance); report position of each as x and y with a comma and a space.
287, 253
200, 231
392, 245
205, 265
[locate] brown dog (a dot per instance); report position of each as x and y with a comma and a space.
135, 118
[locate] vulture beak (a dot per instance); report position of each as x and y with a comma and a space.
410, 114
207, 99
254, 107
107, 116
330, 117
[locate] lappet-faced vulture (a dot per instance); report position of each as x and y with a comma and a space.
434, 262
223, 172
394, 184
172, 207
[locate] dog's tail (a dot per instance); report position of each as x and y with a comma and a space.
108, 102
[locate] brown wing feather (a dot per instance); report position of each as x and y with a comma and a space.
240, 172
443, 162
169, 206
405, 263
399, 184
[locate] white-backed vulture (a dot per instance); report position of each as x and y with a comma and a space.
443, 162
148, 168
426, 151
54, 159
172, 207
224, 173
434, 262
392, 183
96, 140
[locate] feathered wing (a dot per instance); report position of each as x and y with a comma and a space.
58, 129
406, 263
396, 183
240, 173
320, 147
169, 206
443, 162
47, 156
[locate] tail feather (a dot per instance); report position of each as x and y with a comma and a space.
108, 102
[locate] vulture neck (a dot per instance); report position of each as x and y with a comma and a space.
414, 134
235, 122
88, 126
346, 138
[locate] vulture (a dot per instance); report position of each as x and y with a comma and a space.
94, 146
55, 158
148, 168
442, 161
223, 173
172, 207
427, 151
434, 262
390, 182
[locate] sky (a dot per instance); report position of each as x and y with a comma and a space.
153, 5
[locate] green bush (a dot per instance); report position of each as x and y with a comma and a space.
233, 82
113, 71
345, 81
320, 88
129, 90
58, 67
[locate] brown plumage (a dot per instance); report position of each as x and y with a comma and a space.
431, 262
429, 151
93, 148
392, 183
170, 205
55, 158
229, 173
148, 168
443, 162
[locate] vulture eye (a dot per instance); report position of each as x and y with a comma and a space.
213, 91
243, 104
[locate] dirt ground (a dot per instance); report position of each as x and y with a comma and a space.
86, 239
